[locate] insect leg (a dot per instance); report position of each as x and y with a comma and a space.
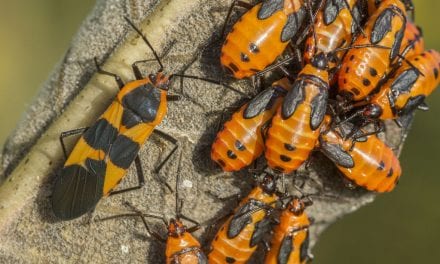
228, 16
101, 71
68, 134
140, 175
170, 139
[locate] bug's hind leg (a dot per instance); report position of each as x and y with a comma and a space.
68, 134
140, 175
101, 71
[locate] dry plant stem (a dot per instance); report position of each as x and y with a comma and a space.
26, 223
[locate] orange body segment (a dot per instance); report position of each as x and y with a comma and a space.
183, 248
410, 86
291, 138
363, 68
260, 36
239, 236
290, 240
331, 31
370, 163
240, 141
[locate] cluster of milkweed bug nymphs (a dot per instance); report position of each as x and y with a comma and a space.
351, 65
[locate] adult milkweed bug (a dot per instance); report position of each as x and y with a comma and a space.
290, 240
106, 150
261, 35
367, 161
406, 91
336, 24
363, 68
295, 127
241, 141
239, 236
181, 246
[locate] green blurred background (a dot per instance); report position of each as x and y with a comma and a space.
401, 227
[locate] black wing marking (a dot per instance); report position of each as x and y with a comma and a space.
101, 135
269, 7
319, 107
382, 26
412, 104
293, 98
123, 151
294, 22
304, 249
332, 10
262, 228
405, 81
240, 220
337, 154
286, 249
77, 190
398, 38
258, 104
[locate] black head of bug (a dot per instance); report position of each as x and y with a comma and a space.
268, 184
320, 61
372, 111
160, 80
176, 228
296, 206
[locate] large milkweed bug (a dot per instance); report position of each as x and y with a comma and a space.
363, 68
367, 161
241, 141
290, 240
404, 92
336, 24
181, 246
240, 235
261, 35
295, 127
106, 150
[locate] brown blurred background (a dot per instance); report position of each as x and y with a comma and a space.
401, 227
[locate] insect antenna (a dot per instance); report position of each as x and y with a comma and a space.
144, 38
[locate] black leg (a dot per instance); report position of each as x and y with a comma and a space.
136, 70
117, 78
170, 139
68, 134
161, 164
274, 66
173, 97
231, 8
140, 175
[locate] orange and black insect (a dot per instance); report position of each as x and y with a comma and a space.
367, 161
405, 91
290, 240
241, 141
181, 246
261, 35
106, 150
364, 68
335, 26
242, 232
295, 127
